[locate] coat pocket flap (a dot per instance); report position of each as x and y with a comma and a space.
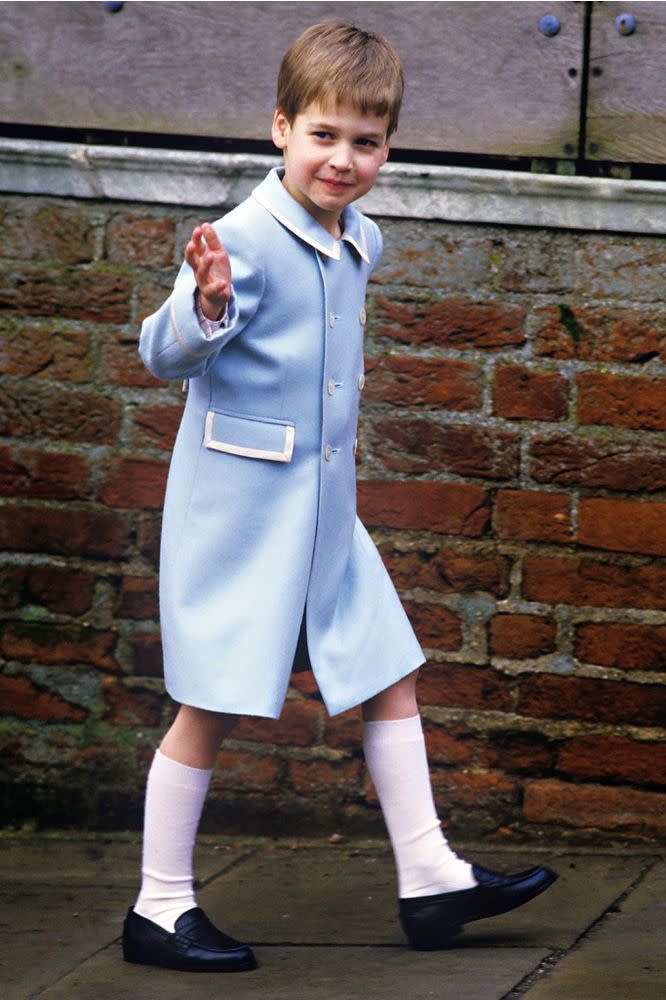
250, 437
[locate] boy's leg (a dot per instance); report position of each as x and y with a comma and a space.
165, 927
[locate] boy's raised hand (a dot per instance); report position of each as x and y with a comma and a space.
210, 262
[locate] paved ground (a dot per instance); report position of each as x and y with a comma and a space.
322, 920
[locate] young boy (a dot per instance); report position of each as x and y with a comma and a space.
263, 559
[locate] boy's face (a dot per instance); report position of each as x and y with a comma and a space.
331, 157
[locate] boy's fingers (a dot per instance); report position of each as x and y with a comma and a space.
211, 237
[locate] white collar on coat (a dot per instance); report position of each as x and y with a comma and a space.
275, 198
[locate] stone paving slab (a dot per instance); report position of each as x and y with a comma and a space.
312, 974
623, 958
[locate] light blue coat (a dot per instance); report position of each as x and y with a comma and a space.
260, 511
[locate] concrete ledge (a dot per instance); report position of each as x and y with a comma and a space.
454, 194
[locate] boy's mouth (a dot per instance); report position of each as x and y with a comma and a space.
335, 185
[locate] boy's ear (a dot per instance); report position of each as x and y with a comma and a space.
280, 129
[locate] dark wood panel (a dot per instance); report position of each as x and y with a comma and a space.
482, 78
627, 94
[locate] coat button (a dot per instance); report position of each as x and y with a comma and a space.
330, 387
361, 382
331, 319
328, 453
362, 316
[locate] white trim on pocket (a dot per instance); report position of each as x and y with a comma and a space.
243, 450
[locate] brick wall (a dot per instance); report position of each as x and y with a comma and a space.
512, 471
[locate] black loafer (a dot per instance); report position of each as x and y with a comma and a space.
431, 921
195, 945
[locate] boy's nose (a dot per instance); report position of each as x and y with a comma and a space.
340, 158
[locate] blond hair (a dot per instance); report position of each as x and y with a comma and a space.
337, 63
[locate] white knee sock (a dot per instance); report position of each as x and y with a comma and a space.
175, 795
396, 757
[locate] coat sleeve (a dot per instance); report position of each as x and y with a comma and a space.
172, 344
376, 244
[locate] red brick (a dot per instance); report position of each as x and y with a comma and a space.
141, 240
84, 294
423, 382
597, 333
343, 732
522, 636
121, 363
533, 517
304, 681
59, 588
421, 445
475, 803
298, 725
446, 570
623, 269
449, 743
30, 410
452, 508
592, 582
461, 685
520, 393
146, 649
49, 231
622, 645
523, 753
149, 294
148, 535
453, 322
637, 401
622, 525
97, 534
131, 706
156, 425
534, 260
45, 642
19, 697
621, 810
610, 758
135, 482
320, 777
247, 772
547, 696
432, 256
35, 350
42, 474
436, 627
137, 598
593, 463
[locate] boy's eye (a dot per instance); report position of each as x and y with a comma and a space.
366, 142
322, 134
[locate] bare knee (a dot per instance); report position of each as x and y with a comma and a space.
396, 702
195, 736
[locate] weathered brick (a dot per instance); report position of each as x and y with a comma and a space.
450, 743
305, 682
547, 696
622, 645
53, 644
621, 810
321, 777
566, 460
593, 582
520, 393
135, 482
46, 230
429, 255
537, 517
150, 292
446, 570
146, 650
522, 636
440, 383
597, 333
298, 725
32, 411
141, 240
59, 588
625, 269
42, 474
613, 758
21, 698
121, 363
156, 425
131, 706
148, 534
461, 685
137, 598
534, 261
87, 294
246, 772
436, 627
523, 753
35, 350
622, 525
453, 322
475, 803
343, 731
97, 534
452, 508
636, 401
419, 445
